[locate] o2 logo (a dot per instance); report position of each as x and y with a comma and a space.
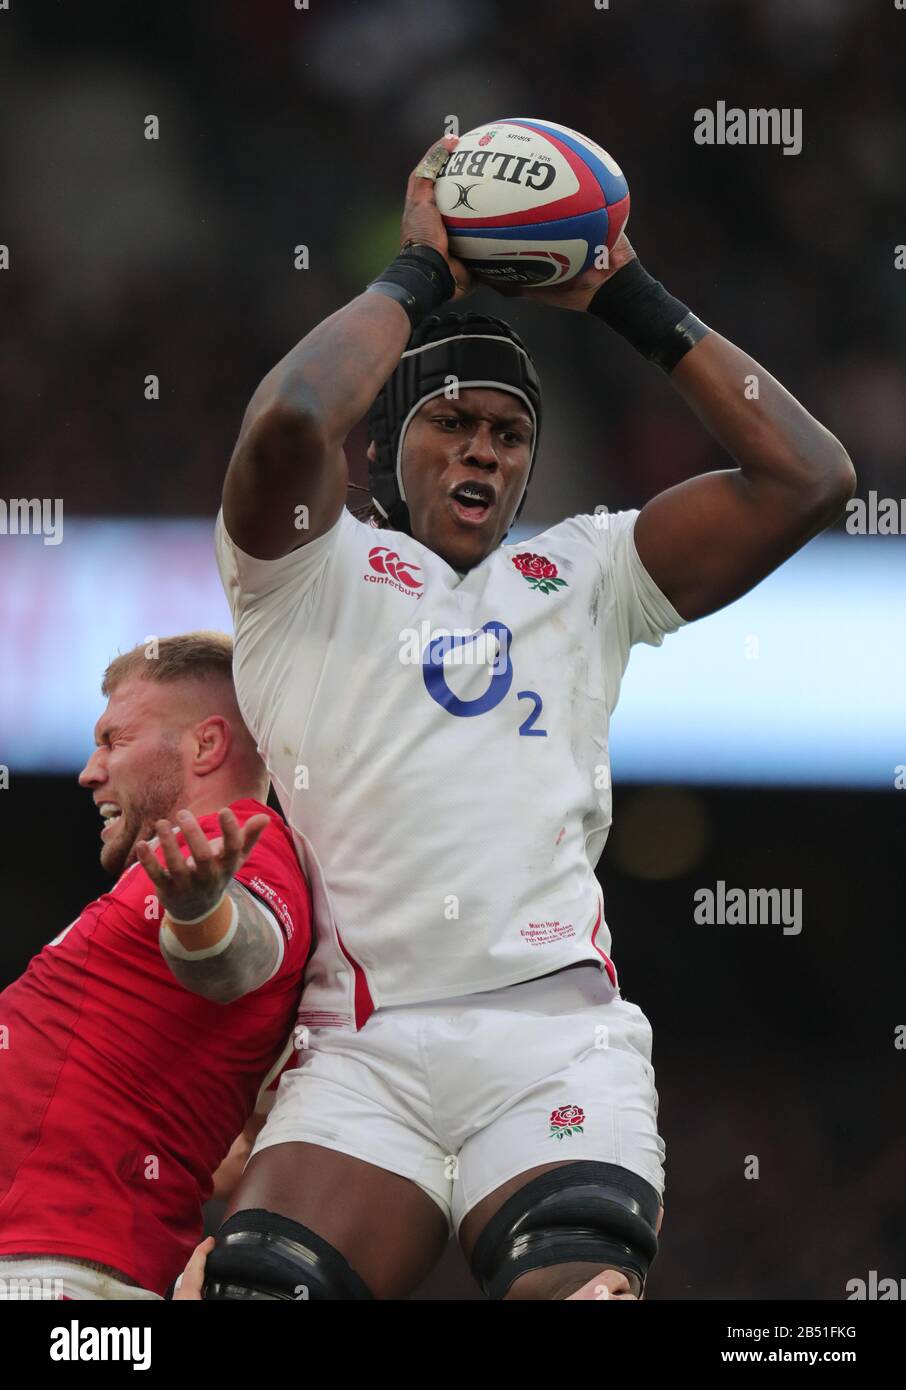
435, 677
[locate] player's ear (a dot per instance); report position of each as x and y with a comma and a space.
213, 738
370, 454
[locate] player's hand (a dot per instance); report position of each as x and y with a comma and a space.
422, 223
578, 292
191, 1281
609, 1284
192, 887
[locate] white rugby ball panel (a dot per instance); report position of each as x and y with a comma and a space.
530, 201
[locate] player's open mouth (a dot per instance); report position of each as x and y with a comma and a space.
472, 502
111, 813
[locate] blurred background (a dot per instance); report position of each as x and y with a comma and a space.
760, 747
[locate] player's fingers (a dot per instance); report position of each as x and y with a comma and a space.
231, 854
190, 1282
610, 1283
176, 864
252, 831
420, 187
195, 838
433, 160
623, 248
615, 1281
150, 863
232, 833
212, 869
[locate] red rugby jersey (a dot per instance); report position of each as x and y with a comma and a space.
121, 1091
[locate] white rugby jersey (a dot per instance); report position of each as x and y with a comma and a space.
439, 746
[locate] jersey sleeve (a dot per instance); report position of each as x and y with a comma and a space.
643, 613
636, 609
276, 607
626, 606
268, 586
273, 876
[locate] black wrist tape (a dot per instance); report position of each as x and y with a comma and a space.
419, 279
637, 306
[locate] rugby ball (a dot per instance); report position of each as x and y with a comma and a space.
529, 202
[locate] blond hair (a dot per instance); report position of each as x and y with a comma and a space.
197, 658
190, 656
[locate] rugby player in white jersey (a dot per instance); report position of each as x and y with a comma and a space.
471, 1065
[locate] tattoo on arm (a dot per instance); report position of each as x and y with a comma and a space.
250, 959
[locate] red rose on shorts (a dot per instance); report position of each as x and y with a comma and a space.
567, 1119
540, 572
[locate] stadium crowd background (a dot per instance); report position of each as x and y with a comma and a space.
281, 128
174, 257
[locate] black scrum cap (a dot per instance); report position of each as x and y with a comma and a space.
472, 349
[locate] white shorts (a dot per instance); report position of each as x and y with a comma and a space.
53, 1277
460, 1095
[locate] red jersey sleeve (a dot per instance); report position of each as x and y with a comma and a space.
272, 874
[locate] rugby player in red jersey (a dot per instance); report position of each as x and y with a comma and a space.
134, 1046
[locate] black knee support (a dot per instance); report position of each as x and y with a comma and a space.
586, 1211
260, 1255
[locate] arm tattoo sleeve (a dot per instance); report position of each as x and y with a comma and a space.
247, 962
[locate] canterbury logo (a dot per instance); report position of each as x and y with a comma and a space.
385, 561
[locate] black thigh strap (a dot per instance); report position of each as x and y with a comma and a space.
261, 1255
585, 1211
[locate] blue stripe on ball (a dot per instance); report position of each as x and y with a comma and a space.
590, 227
614, 188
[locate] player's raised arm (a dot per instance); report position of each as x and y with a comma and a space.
290, 448
710, 539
